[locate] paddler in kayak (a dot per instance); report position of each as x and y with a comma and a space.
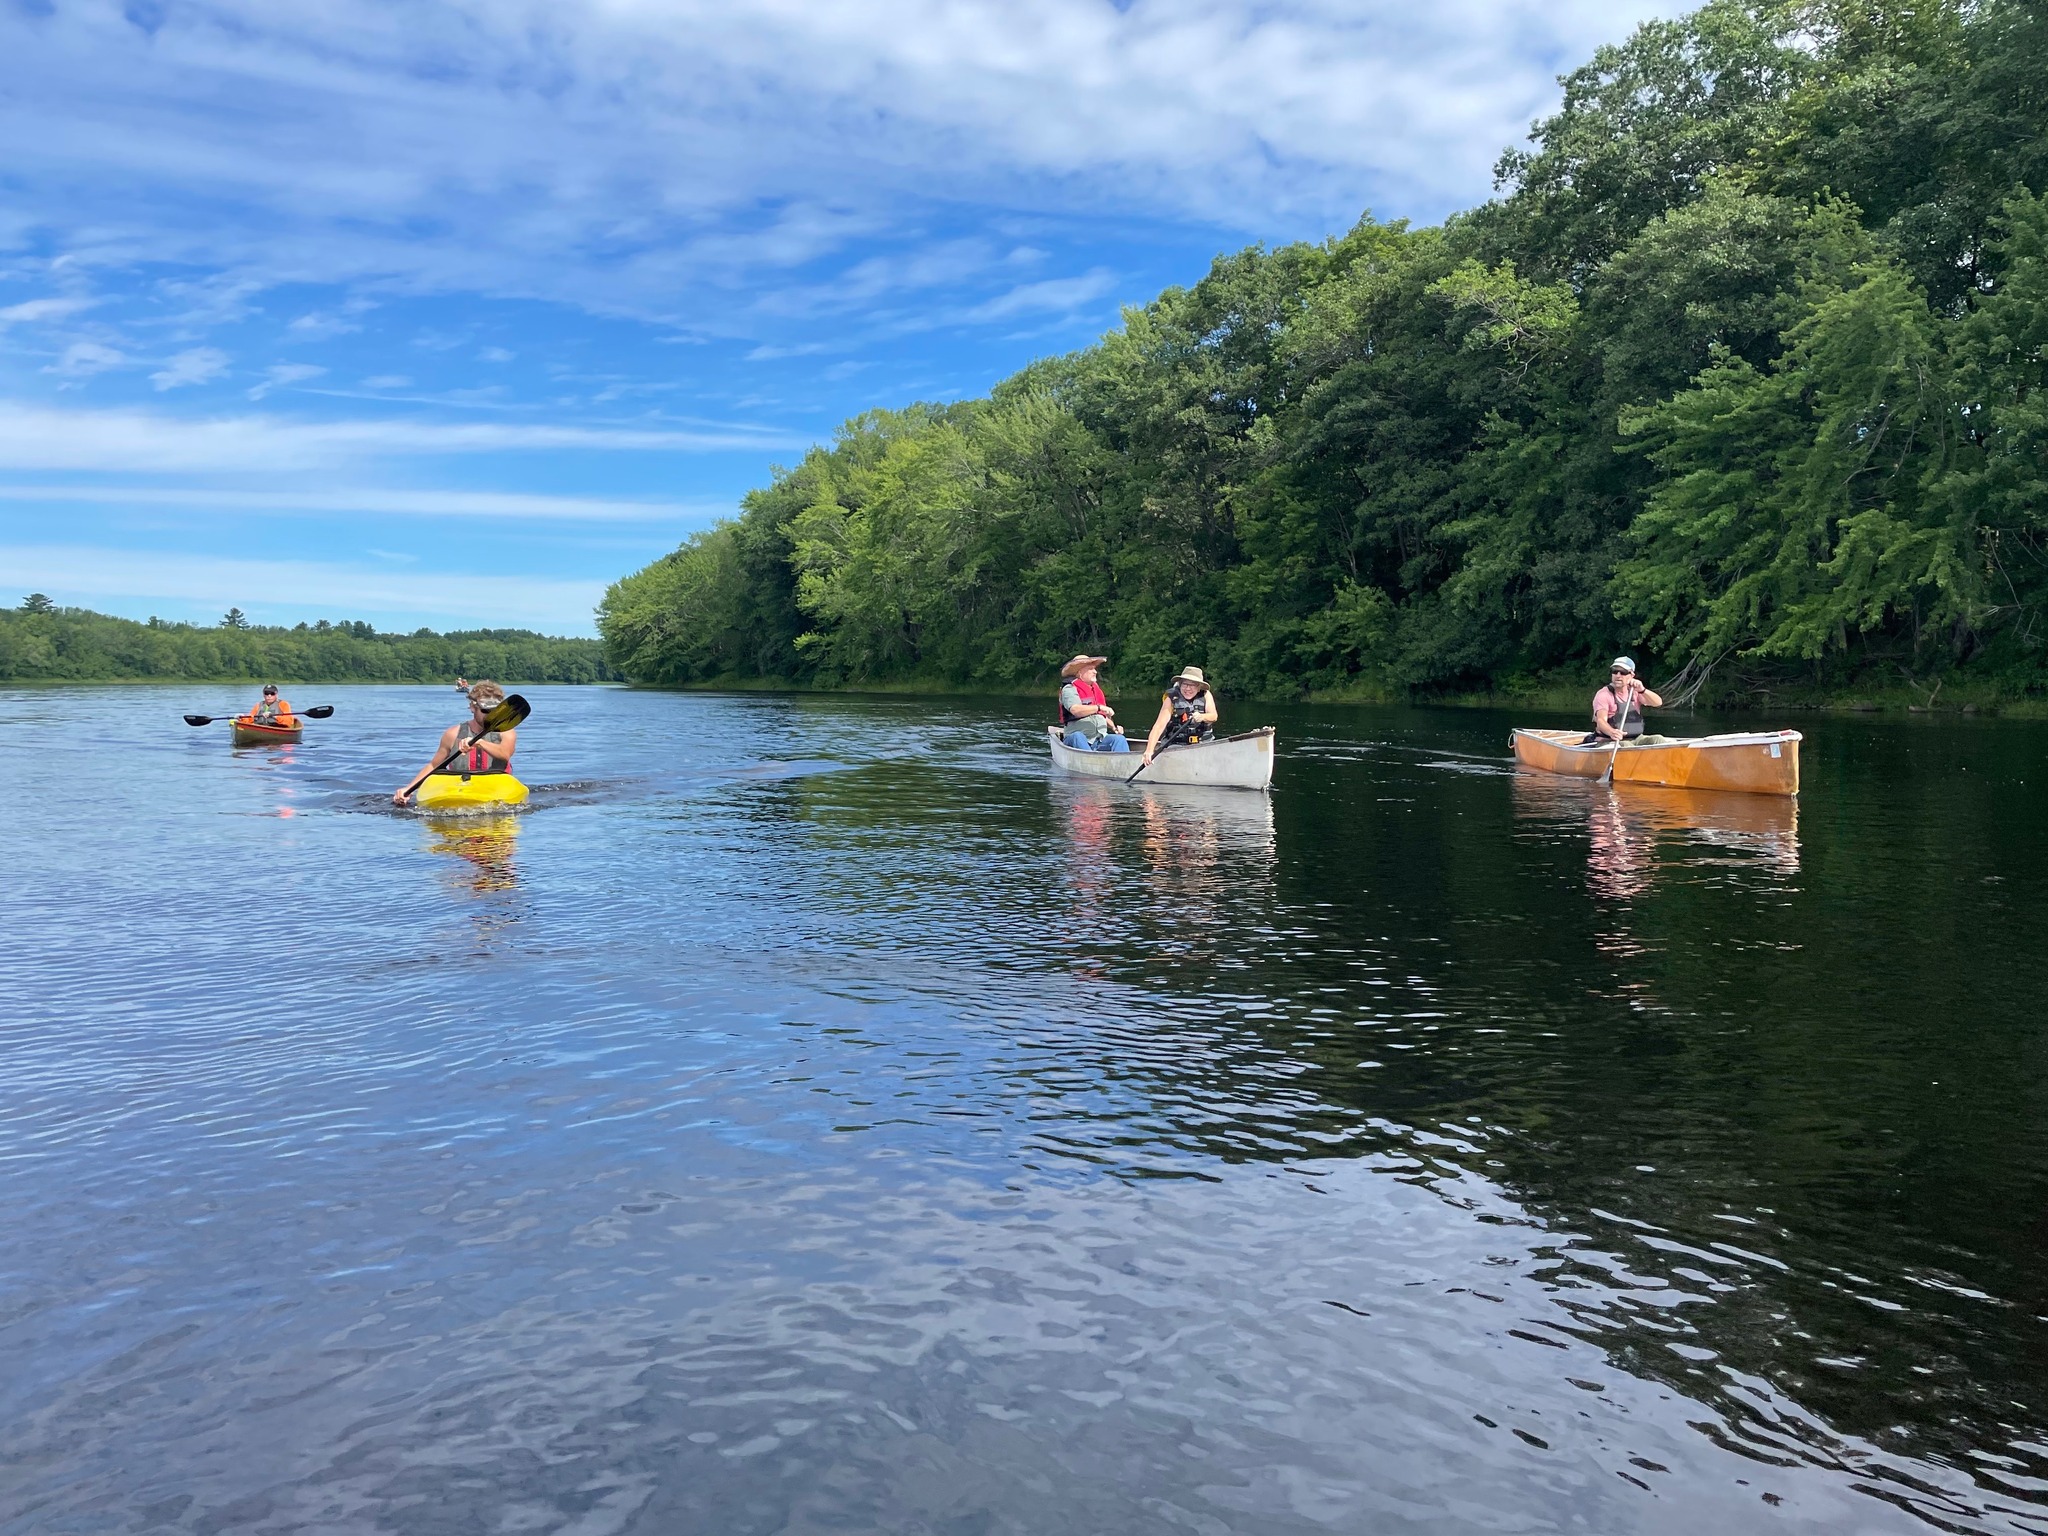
1087, 723
272, 711
1618, 708
1188, 711
482, 751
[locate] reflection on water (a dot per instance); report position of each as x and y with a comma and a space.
869, 1131
1627, 823
485, 843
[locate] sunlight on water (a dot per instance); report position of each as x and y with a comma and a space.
808, 1113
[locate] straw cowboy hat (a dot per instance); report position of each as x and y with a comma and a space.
1081, 664
1191, 675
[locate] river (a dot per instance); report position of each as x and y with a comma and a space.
810, 1115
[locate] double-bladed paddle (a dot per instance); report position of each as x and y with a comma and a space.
504, 718
317, 712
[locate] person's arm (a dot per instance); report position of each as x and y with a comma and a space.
1209, 714
1605, 703
1645, 696
1158, 728
447, 746
502, 748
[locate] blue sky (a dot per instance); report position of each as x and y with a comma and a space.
451, 313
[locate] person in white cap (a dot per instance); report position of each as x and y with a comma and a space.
1087, 723
1188, 711
1618, 708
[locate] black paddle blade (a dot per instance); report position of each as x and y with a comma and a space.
508, 714
199, 719
318, 712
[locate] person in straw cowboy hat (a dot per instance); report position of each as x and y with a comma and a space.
1187, 713
1087, 723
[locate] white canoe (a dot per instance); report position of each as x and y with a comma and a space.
1228, 762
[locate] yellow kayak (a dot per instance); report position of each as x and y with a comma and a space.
458, 791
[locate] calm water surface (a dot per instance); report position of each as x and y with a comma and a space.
811, 1116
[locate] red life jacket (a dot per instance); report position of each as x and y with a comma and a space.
1087, 693
474, 758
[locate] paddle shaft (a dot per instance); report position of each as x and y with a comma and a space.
1621, 731
1176, 735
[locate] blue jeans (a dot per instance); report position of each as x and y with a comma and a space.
1107, 743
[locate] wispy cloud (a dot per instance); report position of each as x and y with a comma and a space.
36, 437
320, 327
38, 311
658, 156
195, 365
1059, 295
282, 375
83, 359
378, 501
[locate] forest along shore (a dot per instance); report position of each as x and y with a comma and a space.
41, 642
1741, 375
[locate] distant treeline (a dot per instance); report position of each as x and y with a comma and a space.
42, 642
1745, 371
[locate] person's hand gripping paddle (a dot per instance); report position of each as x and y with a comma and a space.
504, 718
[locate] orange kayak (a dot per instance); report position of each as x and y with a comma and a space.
1755, 763
248, 733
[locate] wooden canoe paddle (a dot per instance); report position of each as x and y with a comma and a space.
1176, 736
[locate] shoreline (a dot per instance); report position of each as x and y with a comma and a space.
1987, 704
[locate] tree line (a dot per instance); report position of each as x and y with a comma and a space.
1742, 370
43, 642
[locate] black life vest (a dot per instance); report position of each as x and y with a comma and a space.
1184, 727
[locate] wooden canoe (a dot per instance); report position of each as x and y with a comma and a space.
1753, 762
1228, 762
248, 733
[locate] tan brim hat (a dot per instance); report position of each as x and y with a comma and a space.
1191, 675
1081, 664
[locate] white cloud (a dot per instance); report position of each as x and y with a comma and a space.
35, 311
34, 437
655, 156
83, 359
388, 381
320, 327
495, 355
195, 365
280, 375
92, 576
377, 500
1058, 295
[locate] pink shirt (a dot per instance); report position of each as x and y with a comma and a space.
1607, 707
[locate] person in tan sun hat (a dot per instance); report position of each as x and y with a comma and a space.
1187, 713
1087, 723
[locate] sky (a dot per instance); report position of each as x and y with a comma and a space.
452, 312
